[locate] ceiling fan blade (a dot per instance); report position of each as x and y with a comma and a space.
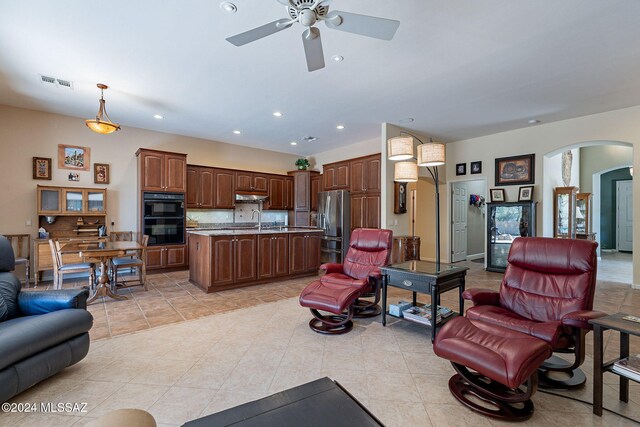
259, 32
370, 26
313, 48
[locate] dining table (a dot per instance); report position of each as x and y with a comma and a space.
102, 252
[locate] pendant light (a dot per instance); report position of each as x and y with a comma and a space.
99, 124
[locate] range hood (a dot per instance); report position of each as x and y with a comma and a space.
251, 197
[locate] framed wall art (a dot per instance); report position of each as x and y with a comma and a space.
476, 167
497, 195
525, 194
461, 169
100, 173
41, 168
515, 170
74, 157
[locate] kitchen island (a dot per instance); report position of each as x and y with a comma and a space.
226, 259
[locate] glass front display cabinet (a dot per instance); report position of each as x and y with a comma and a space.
505, 222
564, 212
583, 217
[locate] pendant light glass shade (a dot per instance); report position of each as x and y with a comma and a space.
405, 172
400, 148
431, 154
99, 124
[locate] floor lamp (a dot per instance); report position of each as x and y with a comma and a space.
430, 155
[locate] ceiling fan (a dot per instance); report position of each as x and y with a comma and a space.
308, 13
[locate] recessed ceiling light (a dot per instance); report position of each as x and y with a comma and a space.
228, 7
237, 132
337, 58
340, 127
533, 121
293, 143
158, 116
277, 114
407, 120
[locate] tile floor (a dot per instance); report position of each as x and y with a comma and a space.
194, 367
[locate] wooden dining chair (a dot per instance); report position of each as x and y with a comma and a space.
60, 269
137, 262
21, 244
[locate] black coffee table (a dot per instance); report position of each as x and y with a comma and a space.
319, 403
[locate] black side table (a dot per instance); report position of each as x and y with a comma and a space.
423, 277
614, 322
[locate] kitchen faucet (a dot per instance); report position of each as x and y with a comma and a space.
259, 212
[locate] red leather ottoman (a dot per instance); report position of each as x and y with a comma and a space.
334, 298
502, 361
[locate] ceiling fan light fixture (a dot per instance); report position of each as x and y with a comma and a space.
99, 124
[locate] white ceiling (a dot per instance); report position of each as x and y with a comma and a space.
460, 68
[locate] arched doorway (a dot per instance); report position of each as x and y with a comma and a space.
591, 159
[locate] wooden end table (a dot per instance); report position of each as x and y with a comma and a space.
426, 278
614, 322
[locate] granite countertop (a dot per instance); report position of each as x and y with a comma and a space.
227, 232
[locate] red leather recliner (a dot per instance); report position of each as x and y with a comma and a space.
547, 292
341, 287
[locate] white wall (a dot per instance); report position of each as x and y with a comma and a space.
619, 125
27, 133
599, 158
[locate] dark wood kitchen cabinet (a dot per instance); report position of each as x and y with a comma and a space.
304, 252
277, 197
200, 187
302, 196
161, 171
365, 191
316, 187
224, 181
233, 259
336, 176
365, 174
250, 181
365, 211
169, 256
273, 255
288, 193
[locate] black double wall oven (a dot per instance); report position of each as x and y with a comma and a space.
163, 218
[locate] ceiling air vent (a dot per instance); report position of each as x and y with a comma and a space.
309, 138
65, 83
56, 82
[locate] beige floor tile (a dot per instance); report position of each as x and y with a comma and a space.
162, 372
139, 396
397, 413
180, 404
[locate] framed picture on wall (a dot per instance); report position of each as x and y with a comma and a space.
515, 170
74, 157
399, 197
476, 167
525, 194
461, 169
41, 168
497, 195
100, 173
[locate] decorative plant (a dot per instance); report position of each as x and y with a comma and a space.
302, 163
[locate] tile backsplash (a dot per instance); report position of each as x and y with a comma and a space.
240, 215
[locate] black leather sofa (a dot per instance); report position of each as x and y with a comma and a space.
41, 332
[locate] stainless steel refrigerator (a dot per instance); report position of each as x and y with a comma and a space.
334, 217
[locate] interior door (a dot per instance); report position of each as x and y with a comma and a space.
459, 228
624, 214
